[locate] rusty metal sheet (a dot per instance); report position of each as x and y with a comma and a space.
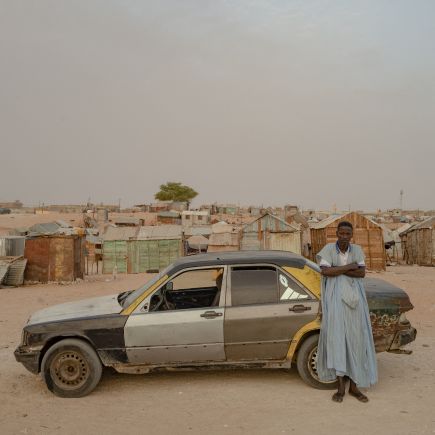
15, 275
56, 258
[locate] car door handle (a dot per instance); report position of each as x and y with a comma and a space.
211, 314
299, 308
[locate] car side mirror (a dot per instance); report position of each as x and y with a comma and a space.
169, 286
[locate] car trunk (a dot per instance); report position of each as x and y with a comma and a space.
386, 303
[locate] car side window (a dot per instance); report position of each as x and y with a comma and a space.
253, 285
289, 290
191, 289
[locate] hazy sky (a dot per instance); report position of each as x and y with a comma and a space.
268, 102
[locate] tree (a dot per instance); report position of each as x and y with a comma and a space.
174, 191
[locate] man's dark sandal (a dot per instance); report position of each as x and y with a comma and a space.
338, 397
359, 396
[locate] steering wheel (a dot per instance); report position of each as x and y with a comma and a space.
156, 302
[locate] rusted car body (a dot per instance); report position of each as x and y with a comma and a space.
234, 309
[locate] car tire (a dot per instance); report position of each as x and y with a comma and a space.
71, 368
306, 364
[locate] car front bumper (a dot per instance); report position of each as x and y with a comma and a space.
29, 357
402, 338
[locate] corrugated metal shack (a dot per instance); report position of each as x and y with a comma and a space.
418, 243
366, 233
12, 246
54, 257
141, 249
224, 237
271, 233
115, 248
169, 217
155, 248
195, 217
128, 221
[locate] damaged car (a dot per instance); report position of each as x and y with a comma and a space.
231, 309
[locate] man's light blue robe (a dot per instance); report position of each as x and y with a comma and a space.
346, 346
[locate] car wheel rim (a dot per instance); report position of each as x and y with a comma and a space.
312, 366
69, 370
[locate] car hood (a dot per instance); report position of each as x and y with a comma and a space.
85, 308
382, 295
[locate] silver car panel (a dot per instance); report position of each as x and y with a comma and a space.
188, 335
175, 336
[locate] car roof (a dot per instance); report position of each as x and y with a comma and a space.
280, 258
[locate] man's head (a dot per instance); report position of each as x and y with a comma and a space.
344, 234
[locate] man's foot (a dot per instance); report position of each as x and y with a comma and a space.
355, 392
359, 396
338, 397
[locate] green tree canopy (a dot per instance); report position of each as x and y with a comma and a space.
173, 191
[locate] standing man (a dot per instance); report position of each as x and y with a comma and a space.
346, 348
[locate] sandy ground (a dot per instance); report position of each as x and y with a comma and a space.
220, 402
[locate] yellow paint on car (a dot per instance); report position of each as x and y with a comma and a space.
127, 311
312, 281
312, 326
308, 277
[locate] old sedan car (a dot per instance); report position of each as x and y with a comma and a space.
232, 309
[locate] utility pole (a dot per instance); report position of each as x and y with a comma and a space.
401, 199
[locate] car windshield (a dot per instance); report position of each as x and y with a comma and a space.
127, 298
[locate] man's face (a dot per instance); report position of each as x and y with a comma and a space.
344, 236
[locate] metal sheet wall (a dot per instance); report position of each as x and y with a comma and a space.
12, 246
54, 259
249, 242
286, 242
145, 255
115, 254
420, 247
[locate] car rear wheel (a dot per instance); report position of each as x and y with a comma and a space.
71, 368
307, 365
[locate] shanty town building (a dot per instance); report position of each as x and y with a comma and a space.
270, 232
418, 243
366, 233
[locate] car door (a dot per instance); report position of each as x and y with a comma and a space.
191, 330
265, 308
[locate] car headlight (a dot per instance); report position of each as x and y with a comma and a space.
403, 319
24, 336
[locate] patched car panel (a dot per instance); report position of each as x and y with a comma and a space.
264, 331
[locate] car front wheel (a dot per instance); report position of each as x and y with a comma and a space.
71, 368
307, 365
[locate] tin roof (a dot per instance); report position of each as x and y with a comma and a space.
44, 229
199, 230
169, 214
127, 220
160, 232
282, 226
120, 233
334, 217
427, 223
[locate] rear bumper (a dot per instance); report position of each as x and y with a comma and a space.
28, 357
402, 338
